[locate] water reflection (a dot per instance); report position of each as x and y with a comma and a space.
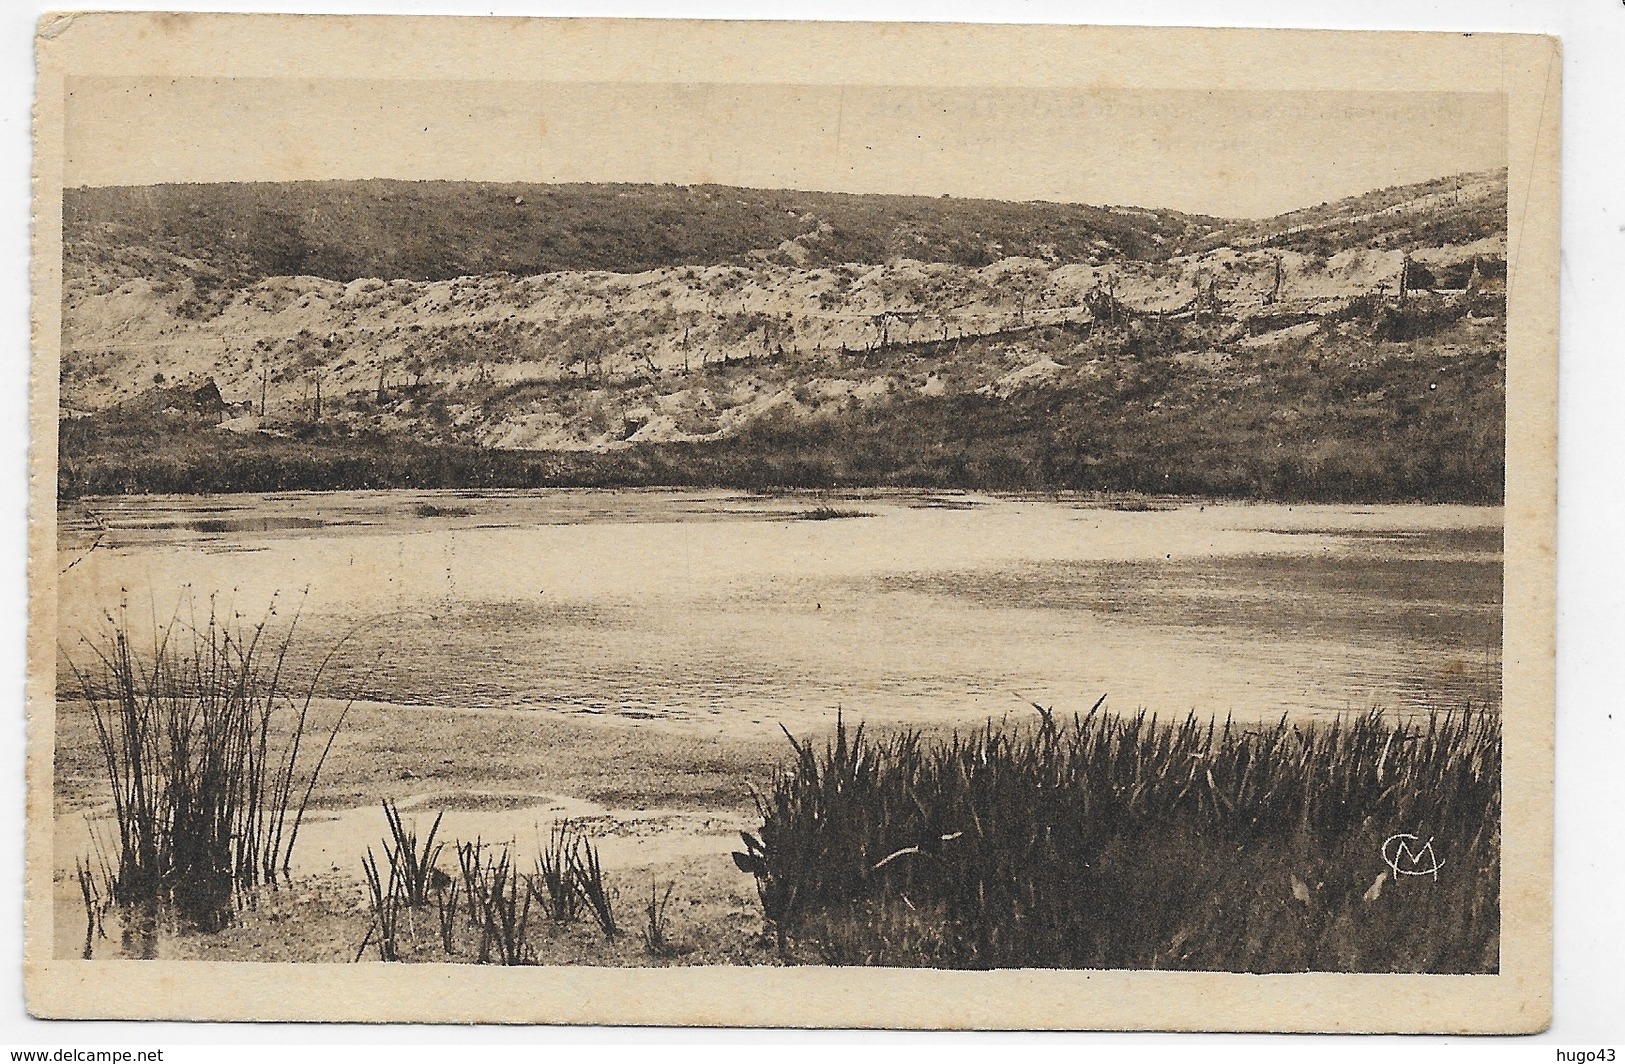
712, 606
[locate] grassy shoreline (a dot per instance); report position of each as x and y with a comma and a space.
1261, 923
1121, 842
1362, 420
194, 464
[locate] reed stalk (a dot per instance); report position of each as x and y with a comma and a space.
204, 752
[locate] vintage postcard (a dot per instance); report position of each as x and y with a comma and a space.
795, 524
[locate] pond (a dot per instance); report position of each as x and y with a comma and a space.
718, 609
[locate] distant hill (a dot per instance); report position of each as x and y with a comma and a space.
436, 230
334, 334
1458, 209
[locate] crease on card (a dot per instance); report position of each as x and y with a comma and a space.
53, 26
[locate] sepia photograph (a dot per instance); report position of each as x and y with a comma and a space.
877, 526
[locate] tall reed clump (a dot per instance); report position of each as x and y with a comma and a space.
207, 756
1124, 842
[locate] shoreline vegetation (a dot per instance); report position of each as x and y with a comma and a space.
1337, 416
1095, 841
210, 763
1122, 842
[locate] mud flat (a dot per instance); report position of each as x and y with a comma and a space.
663, 807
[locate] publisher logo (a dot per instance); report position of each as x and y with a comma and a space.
1409, 855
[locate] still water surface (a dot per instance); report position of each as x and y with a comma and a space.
721, 608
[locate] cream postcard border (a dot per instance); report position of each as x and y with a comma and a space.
1525, 68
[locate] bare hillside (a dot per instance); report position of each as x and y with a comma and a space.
579, 360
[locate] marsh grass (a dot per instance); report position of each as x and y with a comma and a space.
489, 912
85, 874
656, 923
206, 757
413, 865
445, 905
827, 513
555, 878
499, 900
385, 896
1125, 842
588, 875
429, 509
413, 881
